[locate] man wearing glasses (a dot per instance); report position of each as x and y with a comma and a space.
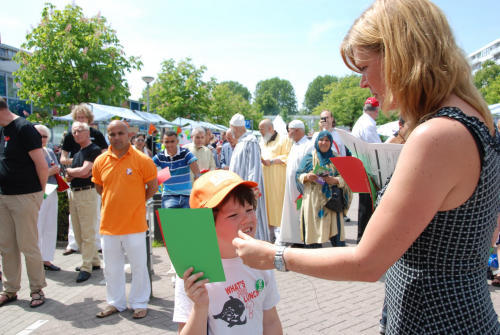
180, 162
83, 199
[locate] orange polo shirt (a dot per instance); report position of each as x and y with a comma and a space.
123, 209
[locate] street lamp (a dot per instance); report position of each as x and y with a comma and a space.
148, 80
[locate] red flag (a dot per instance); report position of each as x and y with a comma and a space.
151, 129
61, 184
179, 130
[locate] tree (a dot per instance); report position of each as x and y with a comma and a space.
238, 88
180, 91
225, 103
487, 80
275, 96
344, 99
316, 91
72, 59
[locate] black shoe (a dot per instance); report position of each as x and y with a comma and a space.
69, 252
51, 267
94, 267
82, 276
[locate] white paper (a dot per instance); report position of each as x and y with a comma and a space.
379, 159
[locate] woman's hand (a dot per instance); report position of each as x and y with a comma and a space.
311, 177
53, 170
331, 180
254, 253
195, 290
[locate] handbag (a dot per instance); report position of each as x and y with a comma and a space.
336, 201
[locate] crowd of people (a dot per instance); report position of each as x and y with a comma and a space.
277, 198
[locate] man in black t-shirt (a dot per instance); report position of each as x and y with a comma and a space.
83, 199
81, 113
23, 175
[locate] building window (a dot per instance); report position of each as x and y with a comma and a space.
11, 87
3, 85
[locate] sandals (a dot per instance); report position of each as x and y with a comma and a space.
6, 297
37, 299
140, 313
107, 311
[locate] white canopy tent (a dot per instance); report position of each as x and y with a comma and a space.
188, 123
103, 113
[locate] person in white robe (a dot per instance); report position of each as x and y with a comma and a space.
245, 162
290, 216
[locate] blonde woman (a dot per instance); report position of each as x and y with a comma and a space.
432, 229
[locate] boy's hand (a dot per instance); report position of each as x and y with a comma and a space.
254, 253
195, 290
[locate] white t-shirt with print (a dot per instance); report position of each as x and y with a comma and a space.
236, 305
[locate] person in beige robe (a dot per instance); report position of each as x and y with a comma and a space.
274, 151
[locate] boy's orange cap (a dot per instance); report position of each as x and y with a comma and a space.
212, 187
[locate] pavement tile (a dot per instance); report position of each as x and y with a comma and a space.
308, 306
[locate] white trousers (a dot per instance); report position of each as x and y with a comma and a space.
71, 235
134, 245
47, 227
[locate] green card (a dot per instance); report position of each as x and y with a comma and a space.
190, 238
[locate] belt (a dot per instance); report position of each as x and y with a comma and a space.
88, 187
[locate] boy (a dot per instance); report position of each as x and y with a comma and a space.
246, 302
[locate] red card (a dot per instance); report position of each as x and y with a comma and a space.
163, 175
353, 172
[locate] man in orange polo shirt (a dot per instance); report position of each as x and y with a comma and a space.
125, 178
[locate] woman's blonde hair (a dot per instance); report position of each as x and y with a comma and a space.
422, 64
82, 108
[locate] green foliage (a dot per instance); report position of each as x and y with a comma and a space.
487, 80
72, 59
238, 88
316, 91
225, 103
275, 96
62, 216
181, 91
345, 99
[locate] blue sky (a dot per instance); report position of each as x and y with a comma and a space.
245, 41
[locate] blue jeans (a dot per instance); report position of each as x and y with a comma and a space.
175, 201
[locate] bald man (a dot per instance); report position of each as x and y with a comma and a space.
274, 151
125, 178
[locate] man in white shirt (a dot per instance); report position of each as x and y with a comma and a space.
290, 223
365, 128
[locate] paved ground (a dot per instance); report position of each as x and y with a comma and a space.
308, 306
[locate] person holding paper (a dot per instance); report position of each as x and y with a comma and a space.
317, 176
365, 129
47, 216
125, 179
181, 162
23, 175
246, 302
432, 229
